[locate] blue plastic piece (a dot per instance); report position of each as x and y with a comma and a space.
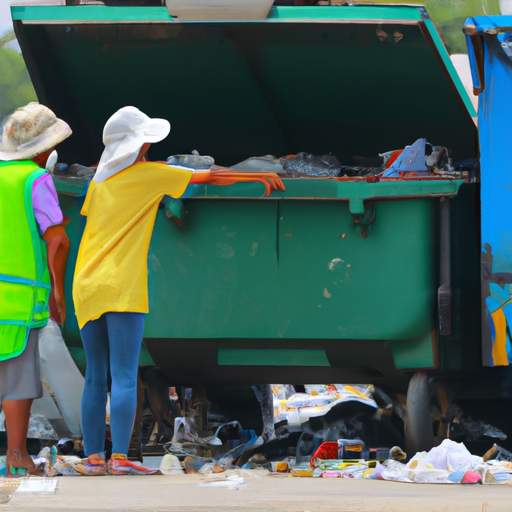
412, 159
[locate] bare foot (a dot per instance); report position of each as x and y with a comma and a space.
17, 460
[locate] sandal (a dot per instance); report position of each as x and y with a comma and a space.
17, 468
94, 465
120, 465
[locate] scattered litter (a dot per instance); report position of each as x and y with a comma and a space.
475, 429
299, 407
233, 482
498, 453
170, 465
36, 485
450, 462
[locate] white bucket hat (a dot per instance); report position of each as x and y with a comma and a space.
29, 131
124, 135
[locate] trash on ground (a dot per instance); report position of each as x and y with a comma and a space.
35, 485
231, 482
450, 462
170, 465
299, 407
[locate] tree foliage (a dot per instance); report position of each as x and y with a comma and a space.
450, 15
15, 86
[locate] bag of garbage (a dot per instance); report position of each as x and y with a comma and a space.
193, 161
451, 456
62, 375
267, 163
304, 164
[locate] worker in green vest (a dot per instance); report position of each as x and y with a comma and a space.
33, 245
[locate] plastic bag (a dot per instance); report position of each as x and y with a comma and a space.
267, 163
450, 456
62, 375
170, 465
194, 161
305, 164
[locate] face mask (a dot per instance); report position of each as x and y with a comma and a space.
52, 161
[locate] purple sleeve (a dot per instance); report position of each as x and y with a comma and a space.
46, 203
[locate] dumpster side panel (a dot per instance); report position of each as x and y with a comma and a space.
293, 269
216, 275
494, 114
349, 287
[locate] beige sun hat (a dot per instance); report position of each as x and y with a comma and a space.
124, 135
29, 131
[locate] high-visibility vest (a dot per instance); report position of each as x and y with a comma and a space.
24, 276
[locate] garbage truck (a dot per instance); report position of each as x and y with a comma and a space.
362, 277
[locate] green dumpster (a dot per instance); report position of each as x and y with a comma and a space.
327, 281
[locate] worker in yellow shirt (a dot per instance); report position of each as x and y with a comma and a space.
110, 289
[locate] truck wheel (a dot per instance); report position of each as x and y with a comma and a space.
419, 434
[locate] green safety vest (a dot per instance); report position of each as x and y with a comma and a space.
24, 276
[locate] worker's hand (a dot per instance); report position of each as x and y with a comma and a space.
58, 250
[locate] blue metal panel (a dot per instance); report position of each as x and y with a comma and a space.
491, 61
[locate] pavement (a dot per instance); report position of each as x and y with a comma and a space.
260, 493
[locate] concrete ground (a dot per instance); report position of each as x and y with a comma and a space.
261, 493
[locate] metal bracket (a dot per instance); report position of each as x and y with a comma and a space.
366, 219
173, 209
507, 47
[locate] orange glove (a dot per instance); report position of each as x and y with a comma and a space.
58, 250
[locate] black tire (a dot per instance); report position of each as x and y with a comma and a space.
419, 434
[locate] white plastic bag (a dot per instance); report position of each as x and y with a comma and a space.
62, 375
171, 465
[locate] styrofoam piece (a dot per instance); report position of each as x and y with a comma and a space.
219, 10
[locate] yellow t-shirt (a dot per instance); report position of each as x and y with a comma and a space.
111, 271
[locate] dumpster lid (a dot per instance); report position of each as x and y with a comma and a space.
353, 81
498, 31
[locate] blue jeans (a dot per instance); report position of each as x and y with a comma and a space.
112, 342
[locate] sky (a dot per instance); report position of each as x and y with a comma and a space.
5, 16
